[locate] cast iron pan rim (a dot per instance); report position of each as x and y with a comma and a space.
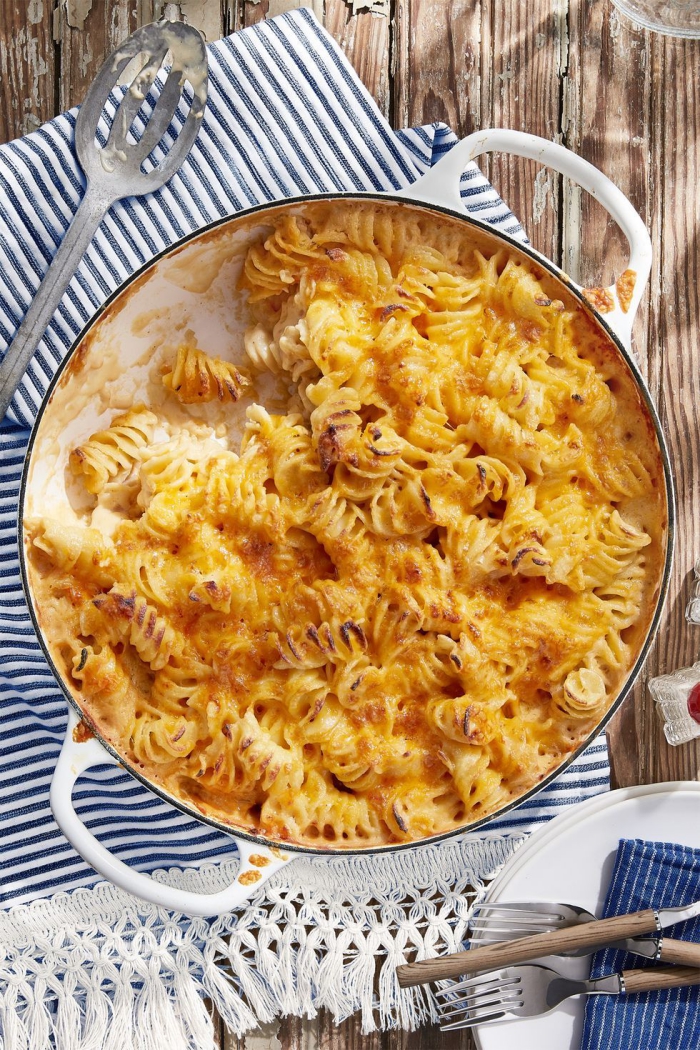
555, 272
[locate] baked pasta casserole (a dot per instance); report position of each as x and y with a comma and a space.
406, 594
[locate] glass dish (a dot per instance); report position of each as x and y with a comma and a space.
676, 695
672, 17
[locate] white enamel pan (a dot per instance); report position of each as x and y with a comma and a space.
437, 191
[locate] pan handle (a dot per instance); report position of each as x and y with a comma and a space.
440, 185
257, 862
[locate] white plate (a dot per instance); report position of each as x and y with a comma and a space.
571, 860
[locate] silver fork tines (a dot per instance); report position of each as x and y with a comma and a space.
546, 911
487, 997
497, 922
513, 927
516, 991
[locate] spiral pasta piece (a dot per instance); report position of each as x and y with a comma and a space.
196, 378
118, 617
113, 451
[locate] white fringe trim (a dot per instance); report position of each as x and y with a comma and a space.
97, 969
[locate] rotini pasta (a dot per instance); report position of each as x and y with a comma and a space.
196, 378
113, 451
392, 610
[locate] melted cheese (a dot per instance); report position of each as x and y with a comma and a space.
397, 605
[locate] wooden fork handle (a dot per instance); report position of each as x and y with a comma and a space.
510, 953
683, 953
656, 978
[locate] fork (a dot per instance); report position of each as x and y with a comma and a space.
115, 170
527, 991
554, 936
504, 921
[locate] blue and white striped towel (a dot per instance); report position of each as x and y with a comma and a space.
286, 115
646, 875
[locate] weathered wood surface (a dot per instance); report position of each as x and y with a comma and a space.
566, 69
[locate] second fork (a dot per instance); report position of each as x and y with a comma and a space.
528, 991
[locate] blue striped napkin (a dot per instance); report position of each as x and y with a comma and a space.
286, 115
647, 875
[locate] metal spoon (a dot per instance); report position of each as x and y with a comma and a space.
114, 171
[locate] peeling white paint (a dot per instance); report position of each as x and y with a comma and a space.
265, 1037
204, 16
475, 96
35, 12
567, 97
614, 29
36, 63
278, 7
571, 230
76, 12
24, 46
561, 14
540, 39
543, 189
85, 57
377, 7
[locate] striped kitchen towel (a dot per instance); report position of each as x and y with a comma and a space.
647, 875
286, 115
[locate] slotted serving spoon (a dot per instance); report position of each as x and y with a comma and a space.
115, 170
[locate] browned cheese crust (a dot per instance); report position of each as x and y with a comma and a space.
408, 595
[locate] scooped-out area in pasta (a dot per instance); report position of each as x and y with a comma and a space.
350, 529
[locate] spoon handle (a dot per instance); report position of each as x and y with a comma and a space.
48, 295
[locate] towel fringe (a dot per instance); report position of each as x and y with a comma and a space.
321, 934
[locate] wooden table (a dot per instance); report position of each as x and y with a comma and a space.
570, 70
